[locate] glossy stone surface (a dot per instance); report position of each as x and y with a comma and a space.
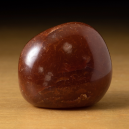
66, 66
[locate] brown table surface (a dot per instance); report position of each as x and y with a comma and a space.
112, 112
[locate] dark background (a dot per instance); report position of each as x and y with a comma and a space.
56, 12
21, 21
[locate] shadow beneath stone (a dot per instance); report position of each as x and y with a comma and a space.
111, 101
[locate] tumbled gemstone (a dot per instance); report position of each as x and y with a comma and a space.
66, 66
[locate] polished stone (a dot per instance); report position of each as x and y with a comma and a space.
66, 66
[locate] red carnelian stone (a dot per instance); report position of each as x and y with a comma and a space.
66, 66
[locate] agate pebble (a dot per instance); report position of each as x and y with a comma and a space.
67, 66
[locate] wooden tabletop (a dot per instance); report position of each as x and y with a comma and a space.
112, 112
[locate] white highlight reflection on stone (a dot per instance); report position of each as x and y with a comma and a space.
31, 56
